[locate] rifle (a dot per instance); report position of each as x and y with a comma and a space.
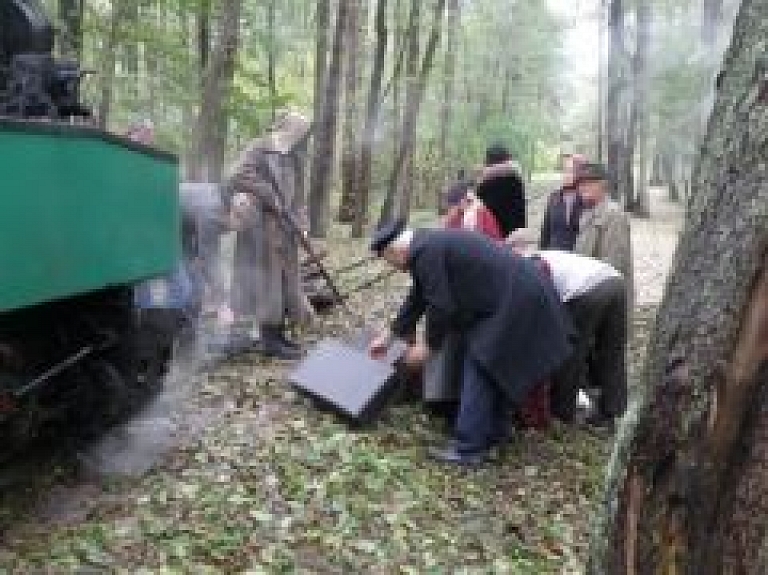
291, 226
288, 223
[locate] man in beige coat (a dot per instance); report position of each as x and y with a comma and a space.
262, 192
604, 230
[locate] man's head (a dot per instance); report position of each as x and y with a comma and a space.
496, 154
592, 180
571, 164
290, 130
142, 132
392, 242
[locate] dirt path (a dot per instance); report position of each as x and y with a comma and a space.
261, 482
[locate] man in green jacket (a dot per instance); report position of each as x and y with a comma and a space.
604, 230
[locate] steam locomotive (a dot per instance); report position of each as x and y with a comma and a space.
87, 218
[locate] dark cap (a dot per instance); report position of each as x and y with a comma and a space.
496, 153
591, 172
385, 235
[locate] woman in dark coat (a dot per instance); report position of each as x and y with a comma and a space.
501, 189
514, 324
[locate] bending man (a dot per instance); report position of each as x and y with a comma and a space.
516, 330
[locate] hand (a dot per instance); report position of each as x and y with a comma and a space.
379, 345
416, 355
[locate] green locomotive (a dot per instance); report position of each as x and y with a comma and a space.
84, 217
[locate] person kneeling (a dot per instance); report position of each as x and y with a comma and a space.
595, 295
515, 328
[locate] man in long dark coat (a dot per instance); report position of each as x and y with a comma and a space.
560, 225
516, 330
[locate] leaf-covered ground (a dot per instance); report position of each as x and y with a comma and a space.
272, 485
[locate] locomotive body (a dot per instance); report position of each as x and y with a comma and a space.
85, 218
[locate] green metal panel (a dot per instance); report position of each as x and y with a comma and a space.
80, 211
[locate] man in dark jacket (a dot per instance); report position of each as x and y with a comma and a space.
560, 226
516, 330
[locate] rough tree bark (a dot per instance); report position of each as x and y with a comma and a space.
325, 134
687, 488
372, 110
352, 123
397, 202
217, 83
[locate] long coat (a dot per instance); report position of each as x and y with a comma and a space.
266, 287
605, 234
559, 232
515, 326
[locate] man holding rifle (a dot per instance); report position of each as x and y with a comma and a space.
262, 195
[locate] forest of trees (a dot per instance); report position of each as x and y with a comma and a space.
402, 92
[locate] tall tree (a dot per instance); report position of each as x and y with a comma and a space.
615, 73
272, 59
117, 17
322, 28
687, 490
397, 202
352, 123
372, 112
449, 83
639, 203
217, 86
325, 134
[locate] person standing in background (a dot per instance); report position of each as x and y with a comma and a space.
453, 192
560, 226
501, 189
604, 228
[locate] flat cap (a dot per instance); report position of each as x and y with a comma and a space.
590, 172
386, 234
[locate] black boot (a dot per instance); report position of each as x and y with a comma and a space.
274, 346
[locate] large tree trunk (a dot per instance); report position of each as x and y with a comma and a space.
352, 123
372, 110
397, 203
325, 134
687, 489
217, 84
